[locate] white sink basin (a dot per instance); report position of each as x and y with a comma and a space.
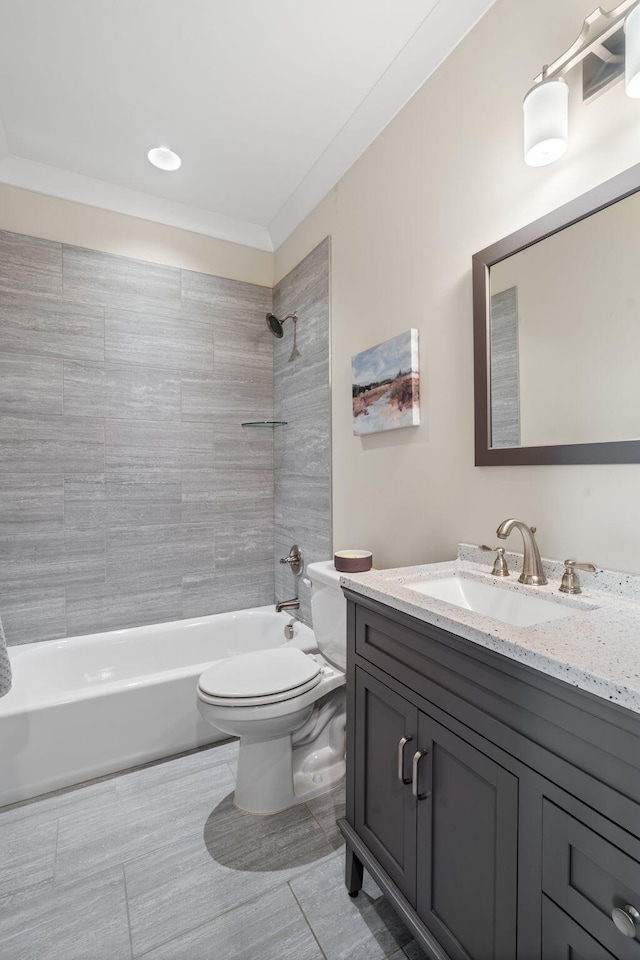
508, 606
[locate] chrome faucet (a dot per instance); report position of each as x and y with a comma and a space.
287, 605
532, 571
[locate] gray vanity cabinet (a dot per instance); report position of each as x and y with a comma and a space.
467, 846
385, 811
497, 808
455, 842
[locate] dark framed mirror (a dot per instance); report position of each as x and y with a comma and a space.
557, 334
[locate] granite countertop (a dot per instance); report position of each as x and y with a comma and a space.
595, 648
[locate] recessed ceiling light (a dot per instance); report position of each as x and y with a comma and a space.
163, 158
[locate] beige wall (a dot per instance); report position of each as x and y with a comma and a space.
51, 218
444, 180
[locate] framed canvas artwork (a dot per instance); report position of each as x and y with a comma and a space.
386, 385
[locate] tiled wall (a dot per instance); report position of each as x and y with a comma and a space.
505, 374
302, 398
129, 492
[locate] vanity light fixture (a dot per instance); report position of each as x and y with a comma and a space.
600, 48
632, 53
546, 121
164, 159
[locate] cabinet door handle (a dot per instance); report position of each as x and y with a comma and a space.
625, 919
417, 757
401, 746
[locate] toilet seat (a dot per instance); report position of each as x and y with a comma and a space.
261, 677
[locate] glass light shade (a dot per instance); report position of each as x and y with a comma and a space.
632, 53
164, 159
546, 122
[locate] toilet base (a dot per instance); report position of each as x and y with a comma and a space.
307, 786
264, 781
278, 773
319, 748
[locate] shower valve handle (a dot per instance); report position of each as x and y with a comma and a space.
295, 560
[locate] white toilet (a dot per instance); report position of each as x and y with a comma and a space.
287, 707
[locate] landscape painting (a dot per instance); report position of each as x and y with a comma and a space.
386, 385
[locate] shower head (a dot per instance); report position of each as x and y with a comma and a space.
275, 325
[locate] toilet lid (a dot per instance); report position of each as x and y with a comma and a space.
263, 673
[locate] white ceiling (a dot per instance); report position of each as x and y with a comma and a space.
268, 102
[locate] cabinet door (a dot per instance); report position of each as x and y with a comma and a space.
385, 811
564, 939
467, 847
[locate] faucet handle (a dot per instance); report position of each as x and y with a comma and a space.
570, 582
295, 560
500, 568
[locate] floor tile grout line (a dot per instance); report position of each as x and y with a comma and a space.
126, 903
324, 830
275, 883
64, 811
304, 870
95, 871
152, 849
316, 819
28, 889
223, 913
104, 868
306, 920
108, 777
55, 852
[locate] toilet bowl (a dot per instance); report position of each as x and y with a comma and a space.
287, 707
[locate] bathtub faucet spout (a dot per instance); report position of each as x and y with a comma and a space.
287, 605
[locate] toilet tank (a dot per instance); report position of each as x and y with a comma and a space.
328, 612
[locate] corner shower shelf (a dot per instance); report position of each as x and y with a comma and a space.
265, 423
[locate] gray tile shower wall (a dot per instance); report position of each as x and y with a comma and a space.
129, 492
302, 398
505, 374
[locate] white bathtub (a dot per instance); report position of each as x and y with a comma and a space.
86, 706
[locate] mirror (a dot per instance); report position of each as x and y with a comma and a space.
557, 335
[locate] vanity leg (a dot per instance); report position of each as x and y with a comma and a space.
352, 873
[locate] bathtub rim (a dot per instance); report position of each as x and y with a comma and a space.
103, 688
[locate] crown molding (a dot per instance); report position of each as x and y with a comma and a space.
42, 178
442, 30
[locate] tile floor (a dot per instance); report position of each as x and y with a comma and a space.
158, 863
